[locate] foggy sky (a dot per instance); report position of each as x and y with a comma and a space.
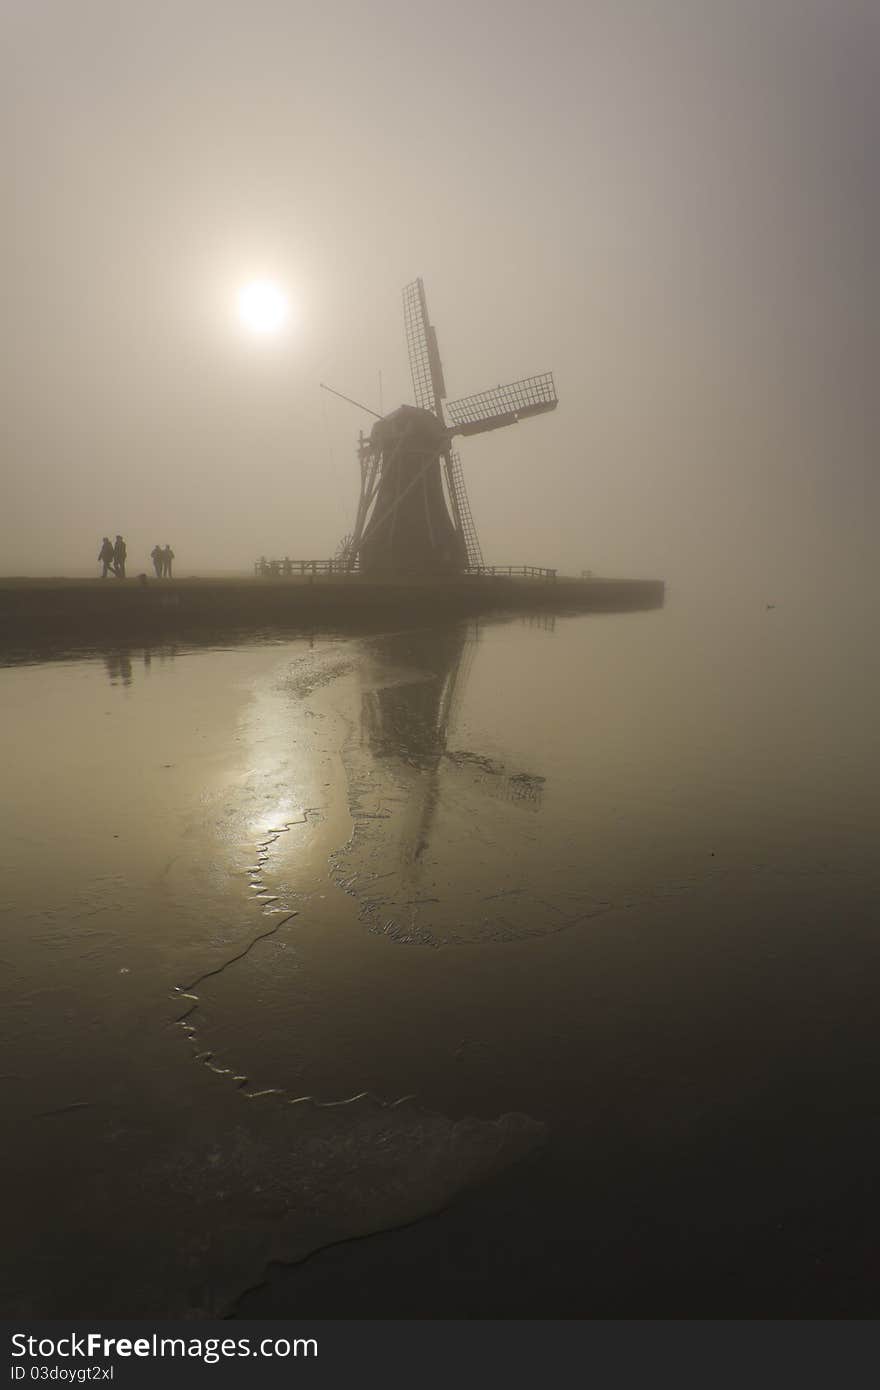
672, 204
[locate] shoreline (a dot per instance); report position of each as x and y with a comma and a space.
143, 607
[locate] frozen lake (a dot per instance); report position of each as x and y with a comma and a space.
597, 892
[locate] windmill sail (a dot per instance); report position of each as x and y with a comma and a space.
429, 387
462, 509
505, 405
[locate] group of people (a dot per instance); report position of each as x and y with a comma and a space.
113, 555
162, 558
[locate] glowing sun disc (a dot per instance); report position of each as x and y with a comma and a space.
262, 306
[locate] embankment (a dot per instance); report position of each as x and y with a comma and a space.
38, 610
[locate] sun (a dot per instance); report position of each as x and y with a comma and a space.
263, 306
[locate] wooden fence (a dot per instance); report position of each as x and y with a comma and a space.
511, 571
286, 569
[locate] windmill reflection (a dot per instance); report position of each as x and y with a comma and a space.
406, 777
409, 720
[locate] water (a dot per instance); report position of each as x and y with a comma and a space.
565, 928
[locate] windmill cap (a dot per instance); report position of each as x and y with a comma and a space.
421, 425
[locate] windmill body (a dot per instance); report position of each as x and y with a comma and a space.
413, 512
409, 527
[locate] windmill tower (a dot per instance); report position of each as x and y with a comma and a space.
413, 512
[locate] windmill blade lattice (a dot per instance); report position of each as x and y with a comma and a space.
462, 509
424, 357
504, 405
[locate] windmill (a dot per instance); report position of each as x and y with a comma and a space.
413, 512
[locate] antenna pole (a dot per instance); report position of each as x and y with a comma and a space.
349, 399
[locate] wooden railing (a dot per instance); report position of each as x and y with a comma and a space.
286, 569
511, 571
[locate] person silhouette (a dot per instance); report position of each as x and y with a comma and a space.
119, 553
158, 559
105, 555
168, 556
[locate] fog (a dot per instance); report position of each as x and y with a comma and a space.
672, 207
